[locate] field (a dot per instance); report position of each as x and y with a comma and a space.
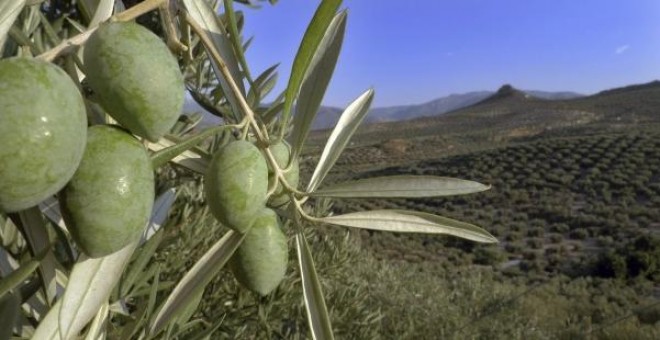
574, 206
578, 258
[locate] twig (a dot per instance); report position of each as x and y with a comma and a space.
81, 38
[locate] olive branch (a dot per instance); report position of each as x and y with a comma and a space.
196, 23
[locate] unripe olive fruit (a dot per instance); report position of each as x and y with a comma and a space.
282, 154
43, 126
260, 262
107, 203
236, 183
136, 78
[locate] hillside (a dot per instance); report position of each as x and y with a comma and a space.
511, 114
327, 116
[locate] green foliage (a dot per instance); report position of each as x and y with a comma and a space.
124, 74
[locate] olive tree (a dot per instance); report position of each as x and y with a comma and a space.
91, 96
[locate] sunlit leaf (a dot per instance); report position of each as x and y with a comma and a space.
196, 279
195, 160
316, 81
317, 312
310, 42
9, 10
348, 122
102, 12
97, 326
402, 186
90, 284
166, 154
404, 221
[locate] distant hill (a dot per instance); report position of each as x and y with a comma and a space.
510, 113
328, 116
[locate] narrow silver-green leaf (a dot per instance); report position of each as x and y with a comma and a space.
195, 279
102, 12
404, 221
317, 312
402, 186
256, 91
165, 155
137, 267
235, 38
159, 213
195, 159
310, 42
9, 10
97, 327
348, 122
202, 12
90, 284
33, 225
48, 325
19, 275
316, 81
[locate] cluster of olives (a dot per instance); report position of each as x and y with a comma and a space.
236, 185
103, 175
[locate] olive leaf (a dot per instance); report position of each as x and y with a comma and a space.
10, 310
235, 38
159, 213
33, 227
90, 284
310, 42
205, 16
19, 275
139, 264
261, 86
316, 81
173, 150
195, 160
404, 221
317, 312
186, 123
9, 11
402, 186
196, 279
348, 122
96, 329
88, 288
102, 11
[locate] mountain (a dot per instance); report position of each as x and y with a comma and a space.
328, 116
510, 113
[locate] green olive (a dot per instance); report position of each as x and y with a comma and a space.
282, 154
260, 262
236, 184
107, 203
136, 78
43, 126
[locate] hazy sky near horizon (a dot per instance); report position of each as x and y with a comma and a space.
417, 50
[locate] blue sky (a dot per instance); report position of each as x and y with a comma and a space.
417, 50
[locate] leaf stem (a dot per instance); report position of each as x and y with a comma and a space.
206, 41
